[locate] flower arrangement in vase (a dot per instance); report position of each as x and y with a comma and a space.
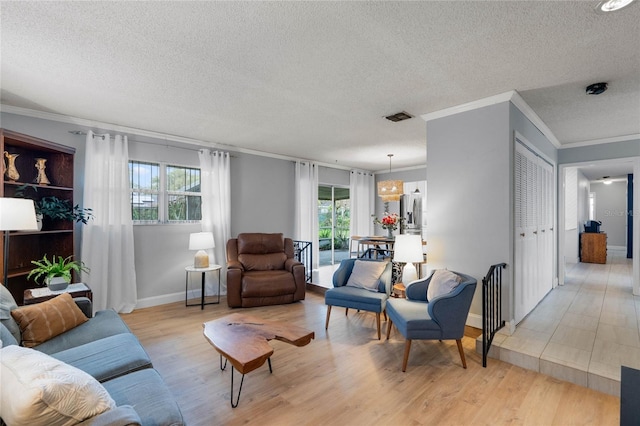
389, 222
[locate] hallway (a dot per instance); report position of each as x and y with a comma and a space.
583, 331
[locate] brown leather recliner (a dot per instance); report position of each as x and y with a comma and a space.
261, 270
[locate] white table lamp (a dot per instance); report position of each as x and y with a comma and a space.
16, 214
201, 241
407, 250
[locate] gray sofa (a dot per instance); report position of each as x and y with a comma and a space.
105, 348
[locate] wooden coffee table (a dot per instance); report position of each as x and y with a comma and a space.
243, 341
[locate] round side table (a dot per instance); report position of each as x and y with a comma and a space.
398, 290
189, 269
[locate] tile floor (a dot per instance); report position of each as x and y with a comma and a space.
583, 331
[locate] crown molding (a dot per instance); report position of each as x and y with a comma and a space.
510, 96
635, 136
164, 137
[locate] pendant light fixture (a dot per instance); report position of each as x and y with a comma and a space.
390, 190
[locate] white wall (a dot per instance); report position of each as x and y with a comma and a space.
611, 210
576, 187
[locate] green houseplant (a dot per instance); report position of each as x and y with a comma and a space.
57, 267
56, 208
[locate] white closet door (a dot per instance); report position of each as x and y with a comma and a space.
534, 218
526, 292
545, 229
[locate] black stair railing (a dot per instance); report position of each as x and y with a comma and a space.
491, 307
303, 253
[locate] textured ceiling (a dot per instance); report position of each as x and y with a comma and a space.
313, 80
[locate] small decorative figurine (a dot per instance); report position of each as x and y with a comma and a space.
11, 172
42, 177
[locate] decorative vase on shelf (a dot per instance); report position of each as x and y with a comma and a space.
57, 283
390, 233
10, 169
41, 179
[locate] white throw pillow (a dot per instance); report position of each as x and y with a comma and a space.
40, 390
365, 274
442, 282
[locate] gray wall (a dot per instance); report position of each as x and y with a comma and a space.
262, 200
262, 194
470, 191
611, 208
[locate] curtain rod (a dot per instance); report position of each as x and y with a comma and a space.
102, 136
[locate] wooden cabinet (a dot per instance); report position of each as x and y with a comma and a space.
593, 247
56, 236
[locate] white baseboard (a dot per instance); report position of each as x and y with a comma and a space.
475, 321
616, 248
148, 302
163, 299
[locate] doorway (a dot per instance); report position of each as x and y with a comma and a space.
570, 206
334, 219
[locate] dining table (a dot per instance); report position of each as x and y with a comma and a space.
375, 247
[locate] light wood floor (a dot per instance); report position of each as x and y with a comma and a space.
346, 376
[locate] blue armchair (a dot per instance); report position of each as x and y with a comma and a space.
374, 300
441, 318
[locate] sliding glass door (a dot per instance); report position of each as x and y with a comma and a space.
334, 218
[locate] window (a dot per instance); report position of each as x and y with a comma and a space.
163, 193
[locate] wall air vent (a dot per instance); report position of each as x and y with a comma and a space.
399, 117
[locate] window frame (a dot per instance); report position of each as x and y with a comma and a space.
163, 193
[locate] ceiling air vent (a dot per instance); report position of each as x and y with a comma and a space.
399, 117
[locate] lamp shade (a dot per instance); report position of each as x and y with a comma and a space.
408, 249
390, 190
17, 214
201, 241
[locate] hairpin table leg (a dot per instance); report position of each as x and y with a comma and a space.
239, 390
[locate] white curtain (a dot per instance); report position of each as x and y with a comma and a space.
216, 208
107, 240
362, 195
306, 215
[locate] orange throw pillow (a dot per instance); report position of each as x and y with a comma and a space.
42, 321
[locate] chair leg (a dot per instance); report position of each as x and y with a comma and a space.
389, 324
407, 348
464, 361
378, 323
346, 312
326, 324
385, 314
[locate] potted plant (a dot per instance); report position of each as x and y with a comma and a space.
56, 208
56, 272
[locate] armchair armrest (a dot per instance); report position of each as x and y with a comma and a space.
290, 263
341, 275
124, 415
417, 290
450, 310
234, 264
85, 306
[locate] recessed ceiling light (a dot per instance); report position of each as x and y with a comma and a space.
612, 5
